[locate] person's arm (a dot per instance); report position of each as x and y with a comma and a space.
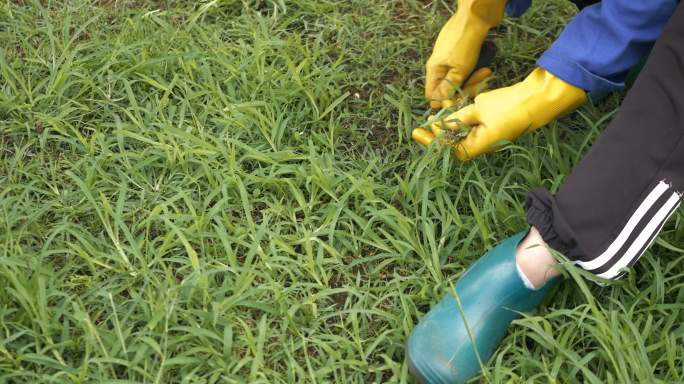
458, 46
604, 41
515, 8
457, 49
506, 113
594, 53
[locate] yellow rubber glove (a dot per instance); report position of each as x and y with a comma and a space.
506, 113
458, 47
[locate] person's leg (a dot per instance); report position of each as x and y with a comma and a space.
612, 206
536, 265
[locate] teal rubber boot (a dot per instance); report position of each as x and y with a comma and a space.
492, 294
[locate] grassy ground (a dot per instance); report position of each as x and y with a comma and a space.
226, 192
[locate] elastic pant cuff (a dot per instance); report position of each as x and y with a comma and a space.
543, 214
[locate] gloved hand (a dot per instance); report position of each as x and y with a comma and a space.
457, 49
506, 113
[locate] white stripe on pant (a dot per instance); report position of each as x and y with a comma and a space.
647, 234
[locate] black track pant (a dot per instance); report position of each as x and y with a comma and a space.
584, 3
616, 200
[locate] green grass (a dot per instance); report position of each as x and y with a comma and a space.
226, 192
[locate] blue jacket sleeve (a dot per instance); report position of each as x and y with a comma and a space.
516, 8
600, 45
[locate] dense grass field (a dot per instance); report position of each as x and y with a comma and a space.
226, 192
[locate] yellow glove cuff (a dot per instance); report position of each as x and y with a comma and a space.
549, 97
489, 12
